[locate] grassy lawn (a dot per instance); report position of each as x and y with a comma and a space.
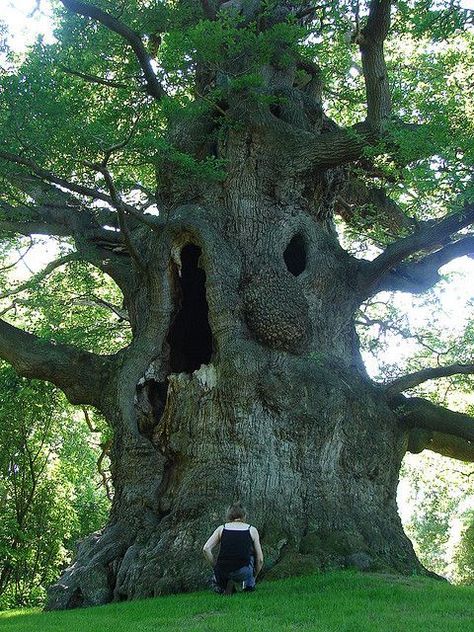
342, 601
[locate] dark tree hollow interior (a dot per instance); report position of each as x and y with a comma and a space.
295, 255
190, 336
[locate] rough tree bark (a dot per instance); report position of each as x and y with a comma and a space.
244, 378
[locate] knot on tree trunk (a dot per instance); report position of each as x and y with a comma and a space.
276, 311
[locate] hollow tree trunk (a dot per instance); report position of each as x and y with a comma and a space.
244, 382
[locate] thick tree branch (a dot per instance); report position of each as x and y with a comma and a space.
428, 237
55, 212
418, 377
44, 174
80, 374
49, 219
154, 88
419, 276
416, 412
305, 151
449, 445
102, 248
371, 41
31, 228
48, 176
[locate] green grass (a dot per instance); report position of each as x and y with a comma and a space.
342, 601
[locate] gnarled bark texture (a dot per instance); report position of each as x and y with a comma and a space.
245, 382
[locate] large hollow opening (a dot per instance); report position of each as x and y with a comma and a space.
190, 336
295, 255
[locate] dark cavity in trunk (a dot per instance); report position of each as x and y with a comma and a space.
190, 336
295, 255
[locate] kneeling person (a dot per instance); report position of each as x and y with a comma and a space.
240, 556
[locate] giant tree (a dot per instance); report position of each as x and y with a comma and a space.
199, 154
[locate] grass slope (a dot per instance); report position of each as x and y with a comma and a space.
342, 601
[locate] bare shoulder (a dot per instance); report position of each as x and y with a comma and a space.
254, 533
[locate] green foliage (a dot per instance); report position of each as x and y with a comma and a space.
464, 553
52, 493
71, 305
73, 121
439, 524
48, 487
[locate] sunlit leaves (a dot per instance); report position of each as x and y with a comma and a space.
48, 487
441, 497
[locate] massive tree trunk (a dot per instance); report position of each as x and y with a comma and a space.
244, 379
245, 383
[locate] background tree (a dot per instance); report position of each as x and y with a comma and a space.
441, 505
196, 153
53, 457
464, 553
48, 486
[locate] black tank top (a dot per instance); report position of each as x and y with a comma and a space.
236, 549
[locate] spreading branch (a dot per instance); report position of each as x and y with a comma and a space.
94, 301
418, 377
94, 79
416, 412
42, 219
419, 276
94, 194
430, 236
56, 212
154, 87
80, 374
20, 258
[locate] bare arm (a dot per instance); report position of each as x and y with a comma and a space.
258, 550
210, 544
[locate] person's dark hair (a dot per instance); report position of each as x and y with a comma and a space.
236, 512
